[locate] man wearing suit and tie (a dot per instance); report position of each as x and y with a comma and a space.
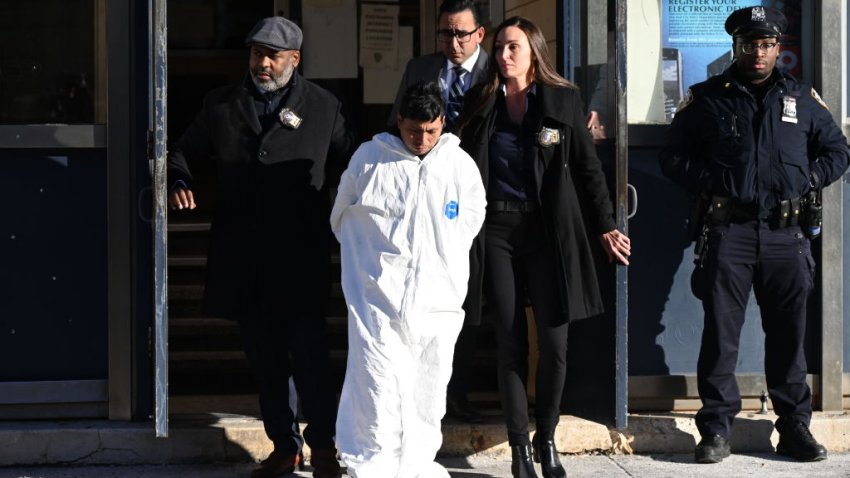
460, 64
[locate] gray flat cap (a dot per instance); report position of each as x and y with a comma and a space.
276, 33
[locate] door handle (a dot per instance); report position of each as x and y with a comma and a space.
632, 201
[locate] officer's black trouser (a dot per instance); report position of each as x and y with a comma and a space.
518, 261
283, 340
778, 266
464, 355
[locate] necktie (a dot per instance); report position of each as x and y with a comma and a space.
455, 102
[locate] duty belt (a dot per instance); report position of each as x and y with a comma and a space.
785, 214
511, 206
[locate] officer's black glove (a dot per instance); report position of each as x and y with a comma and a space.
706, 183
814, 181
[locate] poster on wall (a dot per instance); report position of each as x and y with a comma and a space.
379, 36
380, 85
695, 45
330, 31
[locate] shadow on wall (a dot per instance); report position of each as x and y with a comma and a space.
659, 275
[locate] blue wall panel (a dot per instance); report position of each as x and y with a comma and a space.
53, 271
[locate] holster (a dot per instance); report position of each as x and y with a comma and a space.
811, 217
696, 215
719, 211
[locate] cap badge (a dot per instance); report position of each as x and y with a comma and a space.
289, 118
548, 136
758, 15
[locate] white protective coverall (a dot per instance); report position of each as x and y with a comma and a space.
405, 225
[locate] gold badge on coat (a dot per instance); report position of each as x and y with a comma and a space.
289, 118
548, 136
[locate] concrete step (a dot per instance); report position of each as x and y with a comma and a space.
203, 334
210, 334
195, 290
199, 261
185, 291
189, 227
226, 358
215, 436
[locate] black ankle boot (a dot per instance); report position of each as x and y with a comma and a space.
546, 454
521, 466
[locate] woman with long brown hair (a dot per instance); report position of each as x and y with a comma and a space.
526, 130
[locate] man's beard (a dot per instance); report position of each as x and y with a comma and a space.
276, 83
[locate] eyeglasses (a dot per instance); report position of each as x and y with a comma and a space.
462, 36
750, 48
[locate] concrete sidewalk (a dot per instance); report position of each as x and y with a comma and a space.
229, 442
230, 438
578, 466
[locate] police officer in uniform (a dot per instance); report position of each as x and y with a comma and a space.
274, 138
758, 145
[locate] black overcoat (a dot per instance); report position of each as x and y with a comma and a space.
569, 182
270, 235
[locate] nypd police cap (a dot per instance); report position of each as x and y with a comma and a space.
756, 21
276, 33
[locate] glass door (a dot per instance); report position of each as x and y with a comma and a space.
53, 188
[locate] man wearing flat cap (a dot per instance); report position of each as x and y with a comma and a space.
274, 138
754, 146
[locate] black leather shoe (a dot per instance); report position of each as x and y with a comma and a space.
546, 454
325, 464
278, 464
796, 441
712, 449
521, 466
459, 409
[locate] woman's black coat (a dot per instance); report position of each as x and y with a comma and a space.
568, 180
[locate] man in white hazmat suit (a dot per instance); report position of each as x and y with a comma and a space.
407, 210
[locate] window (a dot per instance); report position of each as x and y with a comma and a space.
52, 62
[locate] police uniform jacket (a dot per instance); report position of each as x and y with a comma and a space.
568, 180
270, 220
723, 141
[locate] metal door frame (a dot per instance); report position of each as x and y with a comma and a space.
618, 50
828, 71
583, 35
157, 156
119, 214
129, 216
